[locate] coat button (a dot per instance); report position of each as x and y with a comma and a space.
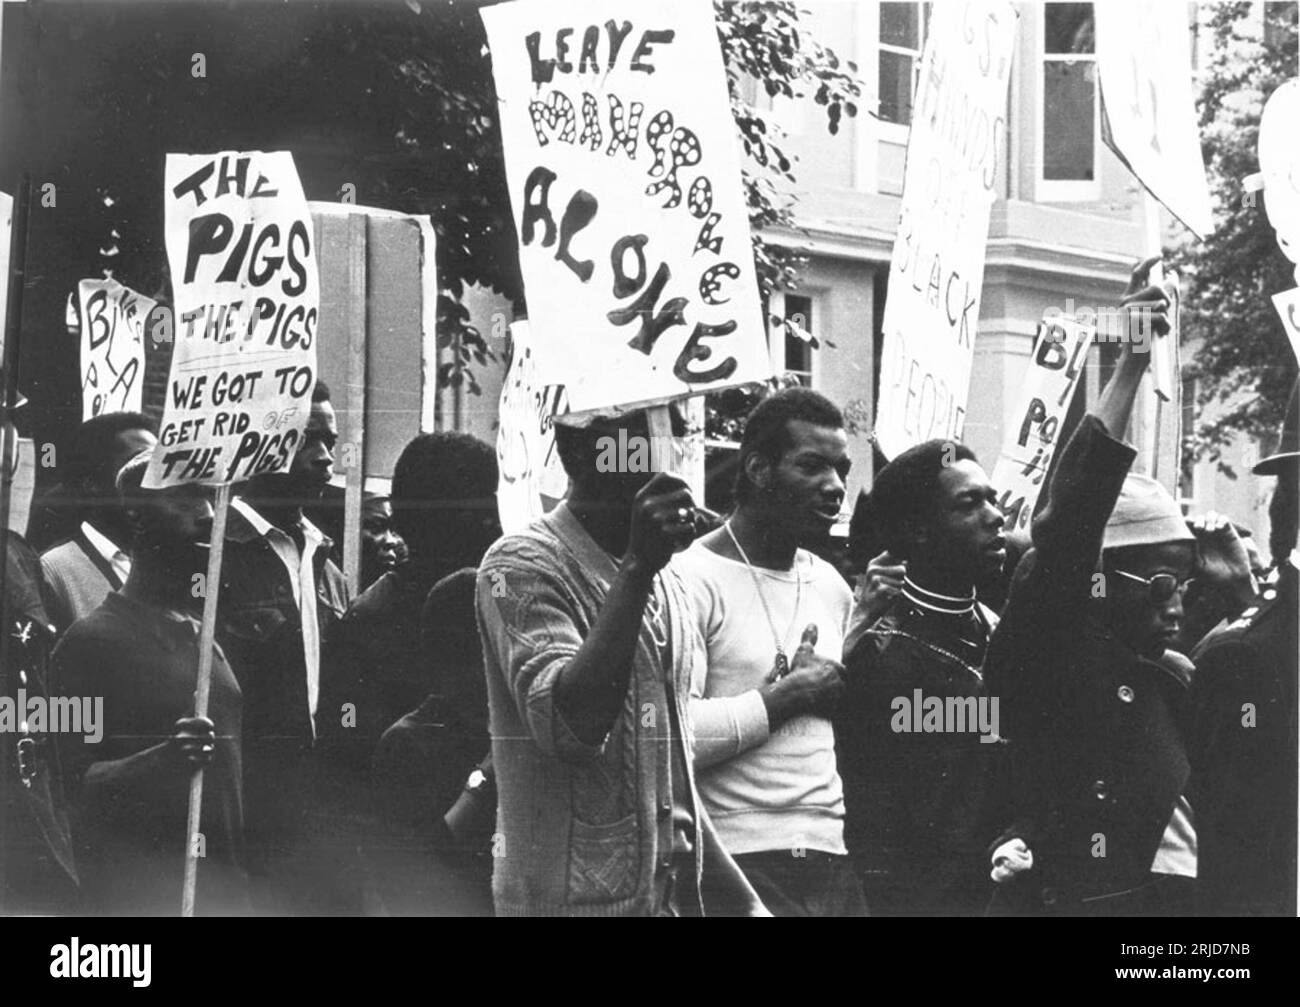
666, 861
1125, 694
1269, 594
1099, 788
665, 809
1049, 896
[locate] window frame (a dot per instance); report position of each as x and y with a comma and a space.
776, 335
897, 132
1048, 190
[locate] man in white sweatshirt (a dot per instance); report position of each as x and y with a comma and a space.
773, 616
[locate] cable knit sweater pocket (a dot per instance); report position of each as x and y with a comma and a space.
604, 861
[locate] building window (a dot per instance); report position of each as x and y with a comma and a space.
1070, 125
797, 338
902, 37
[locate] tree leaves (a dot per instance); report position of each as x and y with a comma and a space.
1243, 365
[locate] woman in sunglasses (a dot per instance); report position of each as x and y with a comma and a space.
1090, 695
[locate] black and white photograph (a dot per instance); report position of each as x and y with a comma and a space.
673, 458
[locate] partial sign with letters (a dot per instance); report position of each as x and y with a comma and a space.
621, 157
247, 297
958, 136
1055, 365
112, 322
1145, 64
530, 477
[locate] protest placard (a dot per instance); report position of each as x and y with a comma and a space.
246, 300
1055, 364
957, 139
1148, 114
620, 153
1287, 304
376, 345
1279, 163
530, 476
112, 323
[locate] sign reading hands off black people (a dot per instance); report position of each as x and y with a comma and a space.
247, 297
957, 138
621, 157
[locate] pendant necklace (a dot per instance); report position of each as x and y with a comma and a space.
781, 665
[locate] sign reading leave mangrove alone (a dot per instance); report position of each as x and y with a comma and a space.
958, 136
621, 158
247, 297
112, 320
1055, 365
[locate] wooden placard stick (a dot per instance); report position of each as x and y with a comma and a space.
207, 635
661, 435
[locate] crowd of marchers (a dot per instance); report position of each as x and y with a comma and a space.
636, 706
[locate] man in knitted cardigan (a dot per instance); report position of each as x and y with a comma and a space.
589, 646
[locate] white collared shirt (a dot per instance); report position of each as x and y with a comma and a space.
115, 557
302, 577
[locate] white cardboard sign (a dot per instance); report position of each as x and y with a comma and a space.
112, 321
621, 158
247, 297
1145, 65
1055, 366
957, 139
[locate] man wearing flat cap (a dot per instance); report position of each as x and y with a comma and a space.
1243, 702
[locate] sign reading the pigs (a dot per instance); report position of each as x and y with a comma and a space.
247, 296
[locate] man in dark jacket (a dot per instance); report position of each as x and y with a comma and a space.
916, 781
1102, 820
444, 507
433, 779
1243, 702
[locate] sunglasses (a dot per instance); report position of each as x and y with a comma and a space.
1161, 587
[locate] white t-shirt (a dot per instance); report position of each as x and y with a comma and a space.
764, 790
